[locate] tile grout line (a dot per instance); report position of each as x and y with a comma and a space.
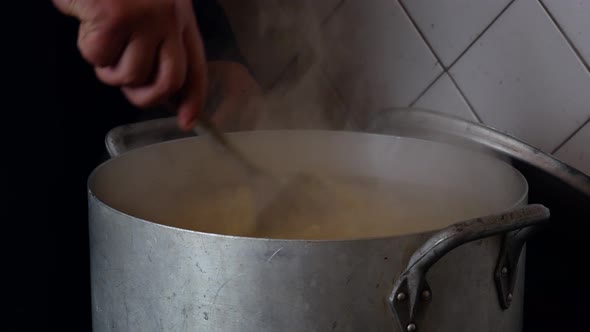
565, 36
582, 60
283, 72
349, 113
331, 85
471, 108
481, 34
478, 37
328, 17
430, 48
569, 138
445, 70
413, 103
405, 10
295, 57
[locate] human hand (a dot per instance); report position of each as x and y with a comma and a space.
151, 49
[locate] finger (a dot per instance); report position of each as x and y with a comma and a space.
68, 7
101, 45
135, 66
195, 88
100, 41
169, 78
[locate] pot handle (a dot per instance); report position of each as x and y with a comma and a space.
411, 291
506, 272
136, 135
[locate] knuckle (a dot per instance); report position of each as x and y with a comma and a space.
72, 6
68, 7
157, 94
169, 9
119, 77
130, 77
143, 102
115, 13
103, 75
168, 85
117, 21
93, 46
139, 100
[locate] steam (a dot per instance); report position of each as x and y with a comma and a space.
283, 44
282, 41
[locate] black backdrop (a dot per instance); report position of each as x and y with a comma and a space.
59, 114
55, 117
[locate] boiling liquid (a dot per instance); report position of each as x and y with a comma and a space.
326, 207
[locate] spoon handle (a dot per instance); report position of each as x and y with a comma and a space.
205, 124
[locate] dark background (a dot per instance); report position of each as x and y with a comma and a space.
55, 117
58, 114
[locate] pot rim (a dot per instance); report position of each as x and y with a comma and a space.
92, 195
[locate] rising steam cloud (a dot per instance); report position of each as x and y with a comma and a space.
283, 44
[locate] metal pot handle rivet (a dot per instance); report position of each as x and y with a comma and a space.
411, 293
506, 272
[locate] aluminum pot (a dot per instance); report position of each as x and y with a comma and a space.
153, 275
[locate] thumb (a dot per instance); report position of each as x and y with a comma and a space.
68, 7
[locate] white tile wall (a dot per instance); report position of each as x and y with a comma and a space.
522, 77
443, 96
375, 57
451, 25
576, 151
573, 16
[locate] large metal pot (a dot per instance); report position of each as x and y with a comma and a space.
156, 276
